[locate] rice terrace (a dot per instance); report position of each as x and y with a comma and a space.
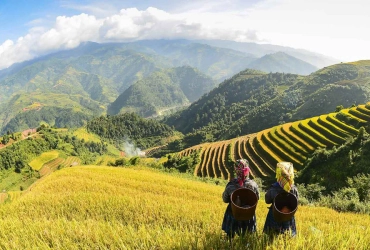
76, 208
77, 190
144, 207
186, 125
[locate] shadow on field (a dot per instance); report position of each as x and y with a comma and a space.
220, 241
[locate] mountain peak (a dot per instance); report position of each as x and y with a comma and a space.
282, 62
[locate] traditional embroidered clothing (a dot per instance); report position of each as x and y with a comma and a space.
285, 183
242, 170
285, 175
229, 224
272, 226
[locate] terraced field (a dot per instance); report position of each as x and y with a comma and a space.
53, 165
292, 142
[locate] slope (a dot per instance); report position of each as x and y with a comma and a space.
249, 102
282, 62
260, 50
294, 142
218, 63
86, 79
168, 88
119, 208
100, 72
230, 101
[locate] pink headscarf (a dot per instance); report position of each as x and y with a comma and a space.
242, 170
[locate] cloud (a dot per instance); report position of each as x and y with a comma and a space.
128, 25
330, 27
69, 32
337, 28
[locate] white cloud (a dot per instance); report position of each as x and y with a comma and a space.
336, 28
332, 27
129, 24
69, 32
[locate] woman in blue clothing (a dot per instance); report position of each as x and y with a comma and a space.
284, 184
230, 225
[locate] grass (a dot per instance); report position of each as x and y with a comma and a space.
105, 159
12, 181
46, 157
138, 208
81, 133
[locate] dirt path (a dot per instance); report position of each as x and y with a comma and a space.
24, 137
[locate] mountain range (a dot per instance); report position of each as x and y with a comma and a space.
95, 78
174, 87
253, 100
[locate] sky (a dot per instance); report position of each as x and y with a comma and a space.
336, 28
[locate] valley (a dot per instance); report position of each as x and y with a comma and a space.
103, 132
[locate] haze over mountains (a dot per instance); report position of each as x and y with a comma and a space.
86, 80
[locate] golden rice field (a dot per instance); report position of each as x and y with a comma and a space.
292, 142
105, 159
45, 157
81, 133
139, 208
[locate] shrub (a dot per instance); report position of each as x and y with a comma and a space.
310, 192
134, 160
361, 183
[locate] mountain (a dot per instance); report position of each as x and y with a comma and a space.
259, 50
252, 101
29, 110
168, 88
219, 63
282, 62
85, 79
90, 77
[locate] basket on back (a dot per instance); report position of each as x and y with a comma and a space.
243, 203
284, 207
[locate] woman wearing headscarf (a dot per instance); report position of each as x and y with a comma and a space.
230, 225
284, 183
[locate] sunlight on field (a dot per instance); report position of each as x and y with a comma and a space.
105, 159
81, 133
13, 195
138, 208
46, 157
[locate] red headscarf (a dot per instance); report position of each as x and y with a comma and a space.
242, 170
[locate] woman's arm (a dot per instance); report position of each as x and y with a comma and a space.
230, 188
269, 196
295, 192
226, 196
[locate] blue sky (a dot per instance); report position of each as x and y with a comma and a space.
17, 16
337, 28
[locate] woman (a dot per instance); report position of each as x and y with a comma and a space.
284, 183
230, 225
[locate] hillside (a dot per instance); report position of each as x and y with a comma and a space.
260, 50
282, 62
250, 102
61, 117
103, 141
104, 207
341, 132
130, 127
232, 100
90, 77
218, 63
82, 82
168, 88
